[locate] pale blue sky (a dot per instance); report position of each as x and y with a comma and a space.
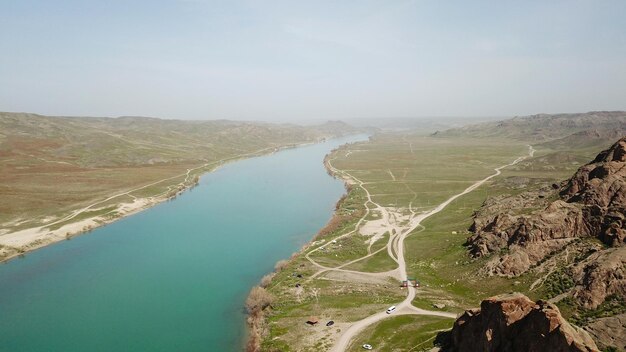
296, 60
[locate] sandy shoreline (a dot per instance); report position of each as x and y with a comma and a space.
19, 243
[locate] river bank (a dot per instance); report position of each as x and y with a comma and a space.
259, 299
350, 276
18, 243
175, 276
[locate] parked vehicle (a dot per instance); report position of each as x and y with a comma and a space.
391, 309
330, 323
367, 346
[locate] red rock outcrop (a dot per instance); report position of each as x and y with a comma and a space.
512, 323
591, 204
601, 187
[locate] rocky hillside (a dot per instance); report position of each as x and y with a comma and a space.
571, 235
515, 323
590, 204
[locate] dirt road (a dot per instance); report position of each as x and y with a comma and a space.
397, 242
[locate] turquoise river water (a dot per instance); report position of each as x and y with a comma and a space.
174, 277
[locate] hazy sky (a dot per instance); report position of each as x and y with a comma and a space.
201, 59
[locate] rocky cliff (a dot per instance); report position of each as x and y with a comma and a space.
600, 187
609, 330
523, 230
571, 237
514, 323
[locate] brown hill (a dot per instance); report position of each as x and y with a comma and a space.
591, 204
543, 127
571, 235
52, 167
597, 138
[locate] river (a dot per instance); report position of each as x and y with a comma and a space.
173, 277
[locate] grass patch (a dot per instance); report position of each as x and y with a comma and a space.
402, 333
558, 282
379, 262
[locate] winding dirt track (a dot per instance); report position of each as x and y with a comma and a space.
187, 174
395, 244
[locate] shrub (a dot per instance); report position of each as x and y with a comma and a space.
281, 265
267, 280
258, 299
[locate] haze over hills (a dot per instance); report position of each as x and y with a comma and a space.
51, 167
99, 141
419, 124
546, 127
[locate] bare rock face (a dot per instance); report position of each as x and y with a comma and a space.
609, 332
601, 187
600, 275
591, 204
528, 238
511, 323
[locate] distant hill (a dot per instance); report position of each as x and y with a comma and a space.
51, 166
98, 141
420, 125
544, 127
595, 138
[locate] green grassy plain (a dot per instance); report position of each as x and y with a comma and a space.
409, 172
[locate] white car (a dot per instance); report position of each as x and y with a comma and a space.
367, 346
391, 309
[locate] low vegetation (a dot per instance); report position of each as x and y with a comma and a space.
402, 333
50, 167
258, 300
408, 174
613, 305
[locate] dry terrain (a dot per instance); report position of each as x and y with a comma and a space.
60, 176
351, 272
